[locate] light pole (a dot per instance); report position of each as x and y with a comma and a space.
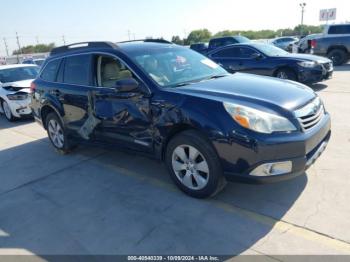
302, 5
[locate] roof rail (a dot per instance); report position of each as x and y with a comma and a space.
161, 41
82, 45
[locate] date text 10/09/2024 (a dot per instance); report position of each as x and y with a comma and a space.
173, 258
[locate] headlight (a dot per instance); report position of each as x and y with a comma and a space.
308, 64
17, 96
257, 120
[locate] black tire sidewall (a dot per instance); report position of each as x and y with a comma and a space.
340, 53
2, 106
206, 149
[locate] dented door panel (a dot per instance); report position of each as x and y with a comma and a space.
125, 117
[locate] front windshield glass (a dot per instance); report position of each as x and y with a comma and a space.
242, 39
175, 66
271, 50
18, 74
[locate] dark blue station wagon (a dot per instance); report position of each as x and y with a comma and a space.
172, 103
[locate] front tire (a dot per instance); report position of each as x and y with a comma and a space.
194, 165
7, 111
287, 74
338, 56
57, 134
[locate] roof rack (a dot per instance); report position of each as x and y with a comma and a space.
161, 41
82, 45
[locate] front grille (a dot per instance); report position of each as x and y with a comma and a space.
311, 114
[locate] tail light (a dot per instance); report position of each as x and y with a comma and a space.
313, 43
32, 87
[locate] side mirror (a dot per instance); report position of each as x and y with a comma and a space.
126, 85
256, 56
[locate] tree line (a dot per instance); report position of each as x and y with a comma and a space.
31, 49
203, 35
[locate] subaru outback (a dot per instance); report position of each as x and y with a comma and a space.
178, 106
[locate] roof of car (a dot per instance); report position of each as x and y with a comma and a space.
136, 45
16, 66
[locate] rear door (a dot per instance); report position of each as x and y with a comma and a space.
73, 88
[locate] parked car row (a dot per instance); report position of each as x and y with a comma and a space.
268, 60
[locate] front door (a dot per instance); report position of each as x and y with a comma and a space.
125, 116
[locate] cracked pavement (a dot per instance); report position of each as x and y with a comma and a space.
98, 201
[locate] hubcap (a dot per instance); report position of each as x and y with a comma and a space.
7, 110
56, 133
190, 167
282, 75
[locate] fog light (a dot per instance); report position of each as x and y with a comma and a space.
273, 169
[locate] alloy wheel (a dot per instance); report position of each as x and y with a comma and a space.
190, 167
56, 133
282, 75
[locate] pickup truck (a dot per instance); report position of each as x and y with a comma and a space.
333, 43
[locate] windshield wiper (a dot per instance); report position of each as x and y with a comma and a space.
217, 76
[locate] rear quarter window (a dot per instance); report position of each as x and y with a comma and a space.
50, 71
339, 29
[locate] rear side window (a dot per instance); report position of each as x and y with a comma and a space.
77, 70
339, 29
227, 53
50, 71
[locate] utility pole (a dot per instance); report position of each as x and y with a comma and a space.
6, 47
129, 35
37, 40
64, 40
19, 48
18, 44
302, 5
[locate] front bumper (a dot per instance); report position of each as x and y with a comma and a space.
302, 149
314, 75
20, 108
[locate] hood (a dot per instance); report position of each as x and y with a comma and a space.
23, 85
252, 88
306, 57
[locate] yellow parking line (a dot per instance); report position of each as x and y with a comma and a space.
282, 226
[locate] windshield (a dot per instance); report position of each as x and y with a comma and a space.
271, 50
18, 74
171, 67
242, 39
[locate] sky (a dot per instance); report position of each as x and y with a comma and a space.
39, 21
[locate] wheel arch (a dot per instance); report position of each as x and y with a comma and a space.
47, 109
334, 47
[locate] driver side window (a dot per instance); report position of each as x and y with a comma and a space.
109, 70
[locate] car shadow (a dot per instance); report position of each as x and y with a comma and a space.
318, 86
345, 67
4, 123
97, 201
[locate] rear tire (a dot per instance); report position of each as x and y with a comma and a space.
7, 111
338, 56
287, 74
194, 165
57, 134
